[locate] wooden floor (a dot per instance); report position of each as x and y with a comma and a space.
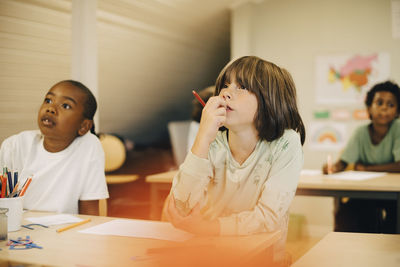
132, 200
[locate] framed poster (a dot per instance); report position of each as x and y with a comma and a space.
345, 79
327, 135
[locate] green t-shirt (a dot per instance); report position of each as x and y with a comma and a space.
361, 149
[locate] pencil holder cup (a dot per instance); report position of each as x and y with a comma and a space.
15, 210
3, 224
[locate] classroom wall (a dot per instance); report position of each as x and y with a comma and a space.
35, 53
150, 56
291, 33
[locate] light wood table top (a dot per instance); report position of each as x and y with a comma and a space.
163, 177
386, 187
388, 182
353, 250
71, 248
121, 178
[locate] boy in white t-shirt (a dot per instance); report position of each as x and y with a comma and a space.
64, 158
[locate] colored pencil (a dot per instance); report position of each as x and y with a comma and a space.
10, 182
198, 98
14, 190
23, 190
59, 230
329, 164
3, 186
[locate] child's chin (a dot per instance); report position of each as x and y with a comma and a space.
384, 121
46, 130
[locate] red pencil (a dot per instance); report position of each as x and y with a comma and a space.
3, 186
198, 98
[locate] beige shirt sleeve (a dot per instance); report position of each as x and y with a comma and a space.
190, 183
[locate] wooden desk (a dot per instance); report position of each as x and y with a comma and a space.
385, 187
115, 179
121, 178
353, 250
159, 183
71, 248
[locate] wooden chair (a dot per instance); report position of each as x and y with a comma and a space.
178, 134
115, 179
115, 155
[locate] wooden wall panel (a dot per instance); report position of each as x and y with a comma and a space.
34, 54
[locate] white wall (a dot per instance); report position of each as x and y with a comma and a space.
35, 53
151, 56
142, 59
291, 33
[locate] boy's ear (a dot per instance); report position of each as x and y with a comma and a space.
369, 112
86, 125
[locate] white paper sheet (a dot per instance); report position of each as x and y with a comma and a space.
55, 219
310, 172
355, 175
139, 228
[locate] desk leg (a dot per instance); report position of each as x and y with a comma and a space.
154, 202
398, 214
158, 191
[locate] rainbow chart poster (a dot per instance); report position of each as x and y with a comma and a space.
327, 136
345, 79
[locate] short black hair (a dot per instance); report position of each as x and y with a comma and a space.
90, 105
387, 86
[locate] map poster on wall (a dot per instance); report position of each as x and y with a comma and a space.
326, 135
345, 79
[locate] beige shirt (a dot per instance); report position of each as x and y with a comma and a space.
249, 198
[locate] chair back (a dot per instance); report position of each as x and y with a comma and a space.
178, 135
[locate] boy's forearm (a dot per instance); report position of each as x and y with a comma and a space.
389, 167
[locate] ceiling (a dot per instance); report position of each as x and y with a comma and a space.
190, 12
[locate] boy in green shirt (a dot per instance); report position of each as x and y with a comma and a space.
373, 147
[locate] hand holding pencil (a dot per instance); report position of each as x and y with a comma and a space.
329, 166
213, 116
